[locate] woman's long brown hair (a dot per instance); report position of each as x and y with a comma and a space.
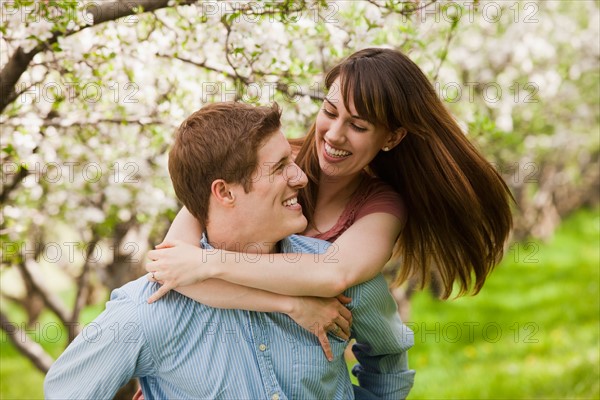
458, 205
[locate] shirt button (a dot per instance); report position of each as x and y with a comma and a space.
275, 396
263, 347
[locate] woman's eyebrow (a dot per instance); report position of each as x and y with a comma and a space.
330, 102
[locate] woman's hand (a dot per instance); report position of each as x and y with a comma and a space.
320, 315
175, 264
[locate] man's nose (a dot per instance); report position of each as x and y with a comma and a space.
295, 176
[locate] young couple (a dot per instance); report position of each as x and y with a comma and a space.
388, 169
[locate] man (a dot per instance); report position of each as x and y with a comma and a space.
232, 165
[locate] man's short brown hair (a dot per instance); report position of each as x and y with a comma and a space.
219, 141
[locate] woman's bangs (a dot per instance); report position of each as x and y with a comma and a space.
368, 94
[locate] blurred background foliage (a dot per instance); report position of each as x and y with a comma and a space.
92, 92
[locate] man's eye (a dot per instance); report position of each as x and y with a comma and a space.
279, 168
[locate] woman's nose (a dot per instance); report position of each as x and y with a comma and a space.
335, 133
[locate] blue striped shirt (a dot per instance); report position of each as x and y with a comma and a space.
181, 349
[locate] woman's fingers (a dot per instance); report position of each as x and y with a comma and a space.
164, 289
153, 254
342, 334
344, 328
339, 328
161, 250
165, 244
343, 299
344, 320
346, 314
325, 344
151, 266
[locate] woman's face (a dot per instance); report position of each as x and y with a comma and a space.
345, 142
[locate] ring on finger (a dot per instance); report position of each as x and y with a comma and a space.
336, 330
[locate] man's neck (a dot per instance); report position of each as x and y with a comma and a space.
229, 241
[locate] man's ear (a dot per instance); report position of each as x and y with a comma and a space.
395, 138
222, 192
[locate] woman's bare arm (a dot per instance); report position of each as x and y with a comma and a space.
185, 228
315, 314
357, 256
218, 293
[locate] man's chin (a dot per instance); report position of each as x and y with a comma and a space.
297, 227
302, 225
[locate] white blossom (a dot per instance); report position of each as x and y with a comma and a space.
92, 214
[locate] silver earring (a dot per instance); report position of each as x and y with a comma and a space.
386, 148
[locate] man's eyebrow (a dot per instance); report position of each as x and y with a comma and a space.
281, 161
353, 116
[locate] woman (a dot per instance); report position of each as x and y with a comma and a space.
389, 172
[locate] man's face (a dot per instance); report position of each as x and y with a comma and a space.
270, 211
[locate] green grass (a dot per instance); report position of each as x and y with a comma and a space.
532, 333
19, 378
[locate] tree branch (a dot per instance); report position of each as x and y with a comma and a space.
415, 6
280, 86
202, 64
52, 301
103, 12
57, 122
23, 172
82, 285
12, 71
25, 345
444, 53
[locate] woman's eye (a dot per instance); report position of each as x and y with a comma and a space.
359, 128
328, 113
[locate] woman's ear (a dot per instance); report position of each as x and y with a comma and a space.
222, 192
395, 138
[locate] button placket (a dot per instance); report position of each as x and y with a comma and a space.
260, 336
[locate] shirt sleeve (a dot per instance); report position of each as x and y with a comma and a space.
382, 341
103, 357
